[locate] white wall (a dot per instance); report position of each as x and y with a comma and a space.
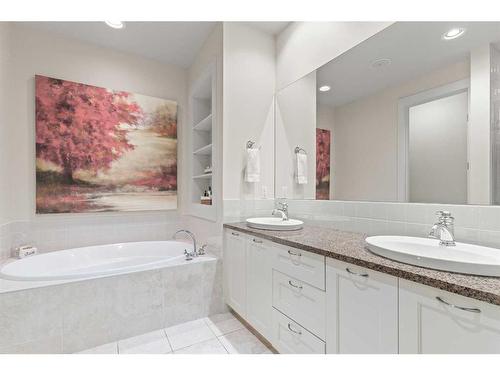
4, 140
305, 46
296, 127
248, 113
479, 127
366, 142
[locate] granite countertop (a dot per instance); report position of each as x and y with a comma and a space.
350, 247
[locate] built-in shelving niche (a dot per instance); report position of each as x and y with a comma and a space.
203, 108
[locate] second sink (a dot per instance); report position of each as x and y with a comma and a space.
425, 252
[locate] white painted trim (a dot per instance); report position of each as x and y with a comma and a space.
404, 105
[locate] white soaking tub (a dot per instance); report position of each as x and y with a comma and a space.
96, 261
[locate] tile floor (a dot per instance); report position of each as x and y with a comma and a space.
218, 334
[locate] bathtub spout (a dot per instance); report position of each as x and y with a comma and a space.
194, 253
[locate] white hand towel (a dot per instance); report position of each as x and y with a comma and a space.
252, 172
301, 168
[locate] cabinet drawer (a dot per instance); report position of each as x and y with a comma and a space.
292, 338
302, 265
300, 301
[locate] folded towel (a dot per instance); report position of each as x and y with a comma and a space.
301, 168
252, 172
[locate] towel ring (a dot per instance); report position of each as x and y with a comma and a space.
250, 144
298, 150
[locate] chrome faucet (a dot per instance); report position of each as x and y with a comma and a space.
282, 210
189, 254
444, 229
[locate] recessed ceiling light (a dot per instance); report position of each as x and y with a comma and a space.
453, 33
324, 88
115, 24
379, 63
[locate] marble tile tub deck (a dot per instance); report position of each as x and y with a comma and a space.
218, 334
350, 247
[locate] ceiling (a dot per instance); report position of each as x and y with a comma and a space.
415, 48
174, 43
272, 27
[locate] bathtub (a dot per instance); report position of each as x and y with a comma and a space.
95, 261
71, 300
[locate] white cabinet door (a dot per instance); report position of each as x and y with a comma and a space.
259, 285
235, 282
362, 310
434, 321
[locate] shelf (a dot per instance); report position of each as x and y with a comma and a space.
203, 176
205, 150
205, 124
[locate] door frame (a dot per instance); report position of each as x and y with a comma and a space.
404, 105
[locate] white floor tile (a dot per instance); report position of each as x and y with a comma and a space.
222, 324
149, 343
187, 334
243, 342
111, 348
207, 347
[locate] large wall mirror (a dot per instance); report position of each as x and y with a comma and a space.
409, 115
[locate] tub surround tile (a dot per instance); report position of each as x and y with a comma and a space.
187, 334
350, 247
155, 342
30, 316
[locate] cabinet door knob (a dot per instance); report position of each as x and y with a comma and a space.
235, 234
294, 254
293, 330
355, 273
468, 309
293, 285
257, 241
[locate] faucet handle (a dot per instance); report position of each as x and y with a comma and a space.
202, 249
445, 217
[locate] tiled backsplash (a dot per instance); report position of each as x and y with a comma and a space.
474, 224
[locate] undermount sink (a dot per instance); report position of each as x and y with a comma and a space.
426, 252
274, 223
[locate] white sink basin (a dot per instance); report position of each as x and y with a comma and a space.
426, 252
274, 223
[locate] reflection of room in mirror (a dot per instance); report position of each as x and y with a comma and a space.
421, 127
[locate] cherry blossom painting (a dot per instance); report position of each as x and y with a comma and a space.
322, 164
103, 150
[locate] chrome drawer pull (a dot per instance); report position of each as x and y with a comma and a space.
295, 254
295, 286
235, 234
257, 241
468, 309
294, 331
355, 273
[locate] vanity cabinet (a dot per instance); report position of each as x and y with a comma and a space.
435, 321
235, 266
302, 302
259, 285
362, 310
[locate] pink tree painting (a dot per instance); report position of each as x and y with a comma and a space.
322, 164
103, 150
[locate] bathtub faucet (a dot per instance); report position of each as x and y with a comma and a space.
189, 254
